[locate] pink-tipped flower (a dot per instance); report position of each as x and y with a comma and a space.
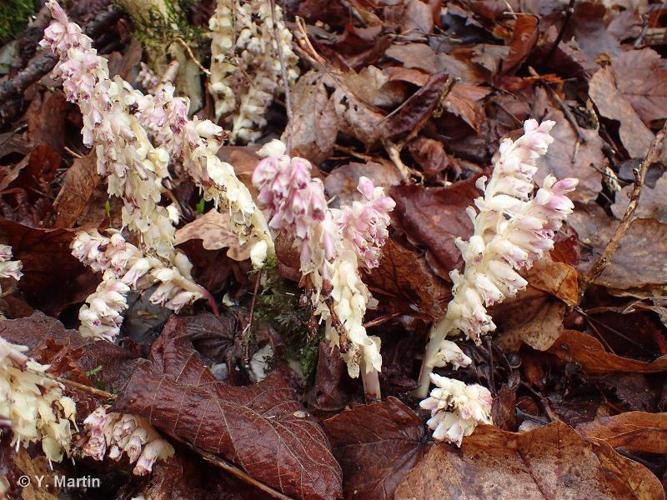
456, 409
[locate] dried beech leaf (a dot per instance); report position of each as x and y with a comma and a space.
405, 280
587, 351
52, 278
465, 100
262, 428
434, 218
651, 201
79, 185
642, 80
603, 89
639, 260
635, 431
547, 462
377, 445
214, 229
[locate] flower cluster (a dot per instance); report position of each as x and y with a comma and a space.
32, 404
456, 409
118, 433
9, 268
125, 267
512, 228
124, 125
244, 41
332, 243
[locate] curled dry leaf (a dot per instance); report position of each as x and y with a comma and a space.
587, 351
343, 182
548, 462
635, 431
603, 89
377, 445
214, 229
262, 428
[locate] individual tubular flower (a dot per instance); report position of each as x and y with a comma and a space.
330, 245
33, 404
125, 267
9, 268
116, 434
244, 41
511, 230
456, 409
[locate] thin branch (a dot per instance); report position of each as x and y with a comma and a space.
652, 156
238, 473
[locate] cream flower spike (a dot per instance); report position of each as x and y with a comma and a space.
512, 228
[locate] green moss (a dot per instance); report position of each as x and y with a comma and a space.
279, 305
14, 16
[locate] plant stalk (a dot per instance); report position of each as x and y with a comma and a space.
438, 333
371, 381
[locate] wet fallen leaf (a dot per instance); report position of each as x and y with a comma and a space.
262, 428
587, 351
434, 218
634, 431
377, 445
547, 462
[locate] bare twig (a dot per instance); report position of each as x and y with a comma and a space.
561, 32
238, 473
652, 155
564, 107
83, 387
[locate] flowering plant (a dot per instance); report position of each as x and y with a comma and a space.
511, 230
333, 244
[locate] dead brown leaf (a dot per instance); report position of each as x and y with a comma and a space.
639, 260
79, 185
465, 101
641, 77
434, 218
547, 462
377, 445
314, 125
52, 278
651, 201
342, 183
524, 38
635, 431
567, 157
261, 428
587, 351
213, 228
404, 280
604, 90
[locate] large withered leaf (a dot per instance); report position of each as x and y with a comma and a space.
634, 431
587, 351
78, 188
262, 428
377, 445
604, 91
639, 260
548, 462
52, 277
434, 218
